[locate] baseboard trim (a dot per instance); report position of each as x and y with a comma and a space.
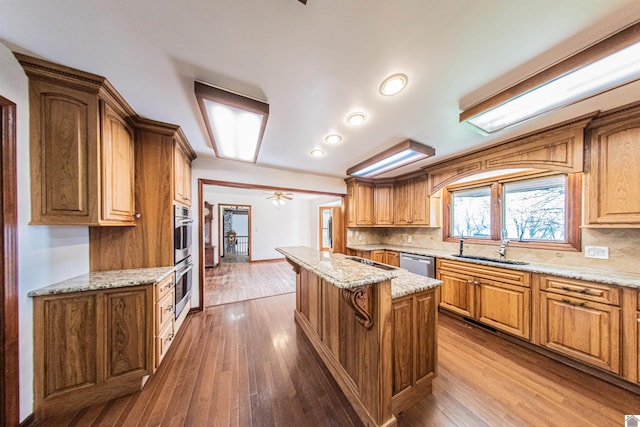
267, 260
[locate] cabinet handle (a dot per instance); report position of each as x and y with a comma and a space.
574, 304
169, 308
638, 319
470, 282
586, 291
475, 282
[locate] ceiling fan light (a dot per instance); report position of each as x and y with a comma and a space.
275, 201
394, 84
356, 118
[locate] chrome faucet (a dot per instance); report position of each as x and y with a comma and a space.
503, 245
461, 246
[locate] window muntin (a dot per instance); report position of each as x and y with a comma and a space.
534, 209
471, 212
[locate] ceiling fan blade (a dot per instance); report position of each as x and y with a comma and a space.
303, 1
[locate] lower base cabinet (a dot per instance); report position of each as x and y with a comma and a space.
586, 331
414, 348
473, 291
94, 346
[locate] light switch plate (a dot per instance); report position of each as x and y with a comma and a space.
600, 252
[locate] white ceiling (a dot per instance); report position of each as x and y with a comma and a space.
314, 64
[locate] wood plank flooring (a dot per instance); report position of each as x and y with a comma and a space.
233, 282
246, 364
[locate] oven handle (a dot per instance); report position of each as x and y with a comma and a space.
184, 271
185, 221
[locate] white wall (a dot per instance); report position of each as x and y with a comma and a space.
45, 254
224, 170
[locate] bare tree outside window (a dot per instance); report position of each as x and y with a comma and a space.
472, 213
535, 209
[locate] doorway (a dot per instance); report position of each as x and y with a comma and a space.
234, 223
9, 353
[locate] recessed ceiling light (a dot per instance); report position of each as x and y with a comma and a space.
333, 139
356, 119
394, 84
317, 152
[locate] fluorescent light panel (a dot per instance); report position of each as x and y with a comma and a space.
583, 75
235, 123
399, 155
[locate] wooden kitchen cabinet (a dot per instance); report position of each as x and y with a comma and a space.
582, 320
611, 187
414, 348
81, 150
379, 256
90, 347
360, 203
411, 201
182, 172
164, 333
150, 243
383, 203
393, 258
498, 297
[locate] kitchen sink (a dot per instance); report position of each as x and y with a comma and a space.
372, 263
498, 260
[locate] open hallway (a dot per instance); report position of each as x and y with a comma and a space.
247, 364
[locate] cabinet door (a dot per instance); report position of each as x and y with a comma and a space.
402, 202
505, 307
584, 330
402, 344
186, 178
352, 219
393, 258
425, 347
178, 173
457, 293
365, 204
379, 256
613, 191
127, 330
117, 166
64, 131
383, 204
419, 201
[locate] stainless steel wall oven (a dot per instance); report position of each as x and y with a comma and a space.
182, 257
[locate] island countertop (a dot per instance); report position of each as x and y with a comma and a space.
106, 280
344, 273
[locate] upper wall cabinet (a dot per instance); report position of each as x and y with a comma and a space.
612, 190
82, 148
360, 199
182, 157
400, 202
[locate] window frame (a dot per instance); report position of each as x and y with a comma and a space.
573, 211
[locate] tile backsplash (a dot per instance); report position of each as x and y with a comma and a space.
623, 246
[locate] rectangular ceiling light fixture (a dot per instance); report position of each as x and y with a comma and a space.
399, 155
610, 63
234, 122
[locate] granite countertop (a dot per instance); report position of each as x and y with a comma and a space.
579, 273
345, 273
106, 280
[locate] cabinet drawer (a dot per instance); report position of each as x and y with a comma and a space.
585, 290
505, 275
164, 286
163, 342
164, 311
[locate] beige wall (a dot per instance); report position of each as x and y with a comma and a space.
623, 246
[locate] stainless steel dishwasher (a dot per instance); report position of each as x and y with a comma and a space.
418, 264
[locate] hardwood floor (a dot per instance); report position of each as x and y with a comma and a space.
246, 364
233, 282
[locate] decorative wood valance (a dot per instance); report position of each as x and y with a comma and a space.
558, 148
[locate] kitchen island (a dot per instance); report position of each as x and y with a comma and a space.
373, 326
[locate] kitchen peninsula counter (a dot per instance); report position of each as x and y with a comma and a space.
374, 329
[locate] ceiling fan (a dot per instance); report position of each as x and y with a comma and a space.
279, 197
303, 2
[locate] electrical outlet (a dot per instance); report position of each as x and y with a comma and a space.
600, 252
409, 239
